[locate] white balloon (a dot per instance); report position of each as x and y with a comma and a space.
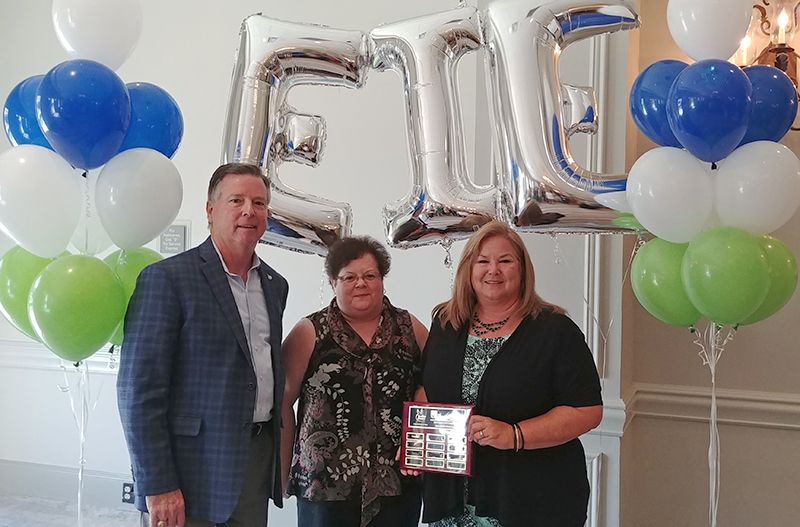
40, 199
758, 187
670, 193
138, 195
90, 237
709, 29
105, 31
615, 200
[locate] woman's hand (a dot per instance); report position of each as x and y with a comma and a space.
489, 432
406, 471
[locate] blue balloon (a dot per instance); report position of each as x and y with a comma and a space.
19, 114
648, 101
708, 108
84, 110
156, 120
774, 104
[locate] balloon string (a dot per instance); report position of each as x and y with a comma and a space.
712, 345
602, 365
82, 420
84, 387
112, 359
322, 282
87, 215
447, 244
560, 258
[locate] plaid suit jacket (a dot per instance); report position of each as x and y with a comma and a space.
186, 384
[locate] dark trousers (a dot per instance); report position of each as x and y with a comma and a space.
251, 509
253, 505
396, 511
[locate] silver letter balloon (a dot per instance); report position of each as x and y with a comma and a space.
263, 129
442, 200
534, 114
536, 185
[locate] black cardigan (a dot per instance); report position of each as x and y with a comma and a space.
545, 363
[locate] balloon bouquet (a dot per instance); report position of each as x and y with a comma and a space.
717, 185
90, 166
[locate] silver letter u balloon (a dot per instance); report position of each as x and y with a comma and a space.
263, 129
443, 201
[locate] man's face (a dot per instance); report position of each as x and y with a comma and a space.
238, 215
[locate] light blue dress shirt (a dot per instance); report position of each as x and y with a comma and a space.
249, 299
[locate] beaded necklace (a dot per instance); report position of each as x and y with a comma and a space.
479, 327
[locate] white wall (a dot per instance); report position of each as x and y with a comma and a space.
188, 49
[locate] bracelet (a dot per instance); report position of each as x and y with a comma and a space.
514, 431
519, 440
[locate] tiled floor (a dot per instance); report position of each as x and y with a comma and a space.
21, 511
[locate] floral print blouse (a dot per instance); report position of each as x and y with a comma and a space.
351, 407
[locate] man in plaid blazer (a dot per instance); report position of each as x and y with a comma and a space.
201, 374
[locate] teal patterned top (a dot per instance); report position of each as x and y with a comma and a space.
477, 356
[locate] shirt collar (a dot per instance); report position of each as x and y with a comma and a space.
255, 264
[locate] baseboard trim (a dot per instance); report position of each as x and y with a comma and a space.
100, 489
734, 407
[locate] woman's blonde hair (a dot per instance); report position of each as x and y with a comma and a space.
459, 309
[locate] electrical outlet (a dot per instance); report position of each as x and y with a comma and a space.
127, 493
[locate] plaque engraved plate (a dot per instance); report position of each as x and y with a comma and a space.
435, 438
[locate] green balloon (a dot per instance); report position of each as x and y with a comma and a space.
18, 270
128, 264
628, 221
726, 274
783, 279
75, 305
656, 282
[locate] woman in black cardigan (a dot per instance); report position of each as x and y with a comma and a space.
527, 369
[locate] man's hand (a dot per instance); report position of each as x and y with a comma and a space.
168, 507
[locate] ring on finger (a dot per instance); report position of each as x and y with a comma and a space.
161, 523
482, 436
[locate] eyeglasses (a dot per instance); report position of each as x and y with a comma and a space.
351, 279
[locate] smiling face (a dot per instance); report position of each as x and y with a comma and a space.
496, 273
359, 289
237, 216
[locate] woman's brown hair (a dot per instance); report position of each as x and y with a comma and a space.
459, 309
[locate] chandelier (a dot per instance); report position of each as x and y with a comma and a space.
770, 38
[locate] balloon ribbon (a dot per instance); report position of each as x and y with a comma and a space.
711, 346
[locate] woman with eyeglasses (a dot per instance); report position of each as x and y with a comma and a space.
351, 365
